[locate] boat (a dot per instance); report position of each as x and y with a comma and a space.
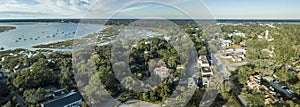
35, 39
17, 41
48, 36
1, 48
24, 39
20, 38
31, 38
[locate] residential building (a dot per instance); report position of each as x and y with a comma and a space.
205, 82
203, 61
148, 43
72, 99
206, 71
163, 72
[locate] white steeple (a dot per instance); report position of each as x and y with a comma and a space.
267, 34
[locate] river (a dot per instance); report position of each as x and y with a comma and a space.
28, 34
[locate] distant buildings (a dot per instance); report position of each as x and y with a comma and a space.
148, 43
226, 43
237, 34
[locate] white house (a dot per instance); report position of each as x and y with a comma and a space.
148, 43
203, 61
206, 71
205, 82
163, 72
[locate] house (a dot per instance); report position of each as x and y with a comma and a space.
205, 82
148, 43
226, 43
167, 38
163, 72
146, 52
203, 61
180, 67
19, 67
237, 34
206, 71
236, 58
72, 99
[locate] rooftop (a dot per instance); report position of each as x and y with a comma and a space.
205, 69
161, 69
64, 100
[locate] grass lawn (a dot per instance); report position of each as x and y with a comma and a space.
230, 60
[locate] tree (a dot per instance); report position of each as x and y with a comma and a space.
244, 73
237, 39
225, 89
33, 96
256, 98
40, 74
298, 75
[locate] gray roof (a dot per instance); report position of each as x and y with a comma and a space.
63, 100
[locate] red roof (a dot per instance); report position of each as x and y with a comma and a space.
161, 69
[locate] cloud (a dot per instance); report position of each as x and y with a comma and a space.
21, 13
10, 9
48, 8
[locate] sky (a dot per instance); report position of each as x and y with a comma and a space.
196, 9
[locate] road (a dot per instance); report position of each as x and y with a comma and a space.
221, 70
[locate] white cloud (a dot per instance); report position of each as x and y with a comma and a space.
68, 8
49, 8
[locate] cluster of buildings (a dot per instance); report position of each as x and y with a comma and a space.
237, 34
279, 88
254, 83
236, 55
273, 90
206, 71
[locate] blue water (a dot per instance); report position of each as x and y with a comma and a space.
28, 34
